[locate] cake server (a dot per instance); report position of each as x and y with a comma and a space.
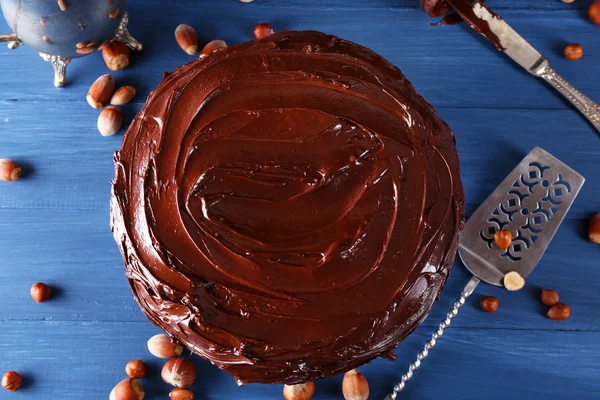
493, 28
531, 202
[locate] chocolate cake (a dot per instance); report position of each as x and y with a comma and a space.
287, 208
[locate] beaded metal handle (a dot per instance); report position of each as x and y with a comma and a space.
436, 335
587, 107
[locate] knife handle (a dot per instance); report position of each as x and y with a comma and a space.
590, 109
467, 291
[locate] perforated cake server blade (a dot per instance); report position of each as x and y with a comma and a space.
531, 203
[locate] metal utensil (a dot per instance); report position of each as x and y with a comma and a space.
531, 202
60, 31
492, 27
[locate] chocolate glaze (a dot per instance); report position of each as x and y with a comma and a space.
465, 10
287, 208
435, 8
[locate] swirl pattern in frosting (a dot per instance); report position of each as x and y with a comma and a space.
287, 208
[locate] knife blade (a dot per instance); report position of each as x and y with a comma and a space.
506, 39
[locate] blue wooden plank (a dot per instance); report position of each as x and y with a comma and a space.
450, 66
68, 360
73, 251
55, 221
70, 164
536, 5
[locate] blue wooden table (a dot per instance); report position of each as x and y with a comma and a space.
54, 223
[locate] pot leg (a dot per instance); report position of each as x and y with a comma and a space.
60, 68
123, 35
12, 39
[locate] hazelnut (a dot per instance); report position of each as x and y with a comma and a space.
263, 30
301, 391
40, 292
549, 297
86, 50
594, 228
101, 91
355, 386
110, 121
127, 389
187, 39
12, 381
559, 312
181, 394
162, 346
489, 304
9, 170
574, 51
63, 5
136, 369
116, 55
212, 46
595, 12
513, 281
179, 372
503, 237
123, 95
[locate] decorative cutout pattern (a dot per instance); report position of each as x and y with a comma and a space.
528, 206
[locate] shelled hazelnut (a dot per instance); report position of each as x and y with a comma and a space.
594, 12
503, 238
489, 304
40, 292
573, 51
136, 369
12, 381
9, 170
549, 297
263, 30
513, 281
594, 229
559, 312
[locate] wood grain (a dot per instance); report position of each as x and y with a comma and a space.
70, 360
55, 222
450, 66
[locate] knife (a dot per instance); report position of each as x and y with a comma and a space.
507, 40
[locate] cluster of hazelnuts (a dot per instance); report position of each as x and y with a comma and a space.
574, 51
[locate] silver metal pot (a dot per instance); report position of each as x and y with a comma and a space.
61, 30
